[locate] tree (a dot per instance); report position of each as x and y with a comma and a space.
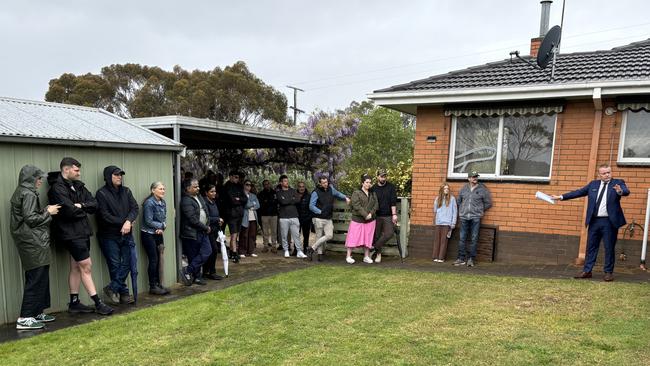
382, 141
233, 94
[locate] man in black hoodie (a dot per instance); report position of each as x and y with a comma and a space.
71, 229
116, 212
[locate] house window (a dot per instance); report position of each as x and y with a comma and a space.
635, 134
503, 147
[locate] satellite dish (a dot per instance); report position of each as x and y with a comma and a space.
548, 47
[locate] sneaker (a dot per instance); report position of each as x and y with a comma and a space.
242, 256
44, 318
470, 262
301, 255
286, 254
200, 281
310, 252
103, 309
28, 324
350, 260
111, 296
367, 260
78, 307
459, 262
378, 258
186, 277
254, 255
126, 299
275, 249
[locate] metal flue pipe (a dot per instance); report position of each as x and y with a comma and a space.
545, 18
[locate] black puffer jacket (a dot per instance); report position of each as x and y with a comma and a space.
114, 206
30, 224
71, 222
191, 223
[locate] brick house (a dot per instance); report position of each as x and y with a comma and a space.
525, 134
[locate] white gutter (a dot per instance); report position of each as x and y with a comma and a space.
432, 97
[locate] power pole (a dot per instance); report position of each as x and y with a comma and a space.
295, 104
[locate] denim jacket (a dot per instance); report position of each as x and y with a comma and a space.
252, 203
154, 214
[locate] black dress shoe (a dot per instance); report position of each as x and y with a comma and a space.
583, 275
214, 276
609, 277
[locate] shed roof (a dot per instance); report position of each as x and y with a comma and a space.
198, 133
27, 121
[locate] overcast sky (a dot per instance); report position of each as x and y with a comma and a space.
338, 51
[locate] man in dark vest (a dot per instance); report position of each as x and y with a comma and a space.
321, 205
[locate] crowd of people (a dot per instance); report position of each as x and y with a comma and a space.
209, 208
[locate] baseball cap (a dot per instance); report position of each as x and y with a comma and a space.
381, 172
473, 173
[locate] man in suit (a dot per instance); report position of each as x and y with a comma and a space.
604, 218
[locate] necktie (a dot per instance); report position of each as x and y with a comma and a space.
600, 198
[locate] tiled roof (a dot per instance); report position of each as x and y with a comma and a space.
626, 63
64, 122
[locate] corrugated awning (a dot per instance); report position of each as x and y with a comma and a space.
504, 111
635, 107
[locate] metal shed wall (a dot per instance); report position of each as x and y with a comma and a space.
142, 168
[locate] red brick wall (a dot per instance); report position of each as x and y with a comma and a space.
515, 208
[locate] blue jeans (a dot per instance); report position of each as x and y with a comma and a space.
117, 252
197, 251
601, 228
472, 226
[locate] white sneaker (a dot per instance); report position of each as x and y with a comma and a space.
242, 256
254, 255
349, 260
28, 324
286, 254
301, 255
378, 258
367, 260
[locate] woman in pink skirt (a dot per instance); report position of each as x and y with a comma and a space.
363, 204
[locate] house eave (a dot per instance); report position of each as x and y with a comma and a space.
408, 101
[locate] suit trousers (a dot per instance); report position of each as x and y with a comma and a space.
600, 228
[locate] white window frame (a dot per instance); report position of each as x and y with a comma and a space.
495, 176
621, 143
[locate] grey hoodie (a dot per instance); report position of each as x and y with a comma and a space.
473, 204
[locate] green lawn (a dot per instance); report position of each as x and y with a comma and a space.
331, 315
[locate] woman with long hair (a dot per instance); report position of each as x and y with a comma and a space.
210, 197
363, 204
445, 211
248, 233
154, 223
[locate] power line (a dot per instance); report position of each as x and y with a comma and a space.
458, 56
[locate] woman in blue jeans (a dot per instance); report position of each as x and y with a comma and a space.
153, 226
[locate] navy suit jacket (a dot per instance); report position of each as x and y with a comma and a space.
614, 210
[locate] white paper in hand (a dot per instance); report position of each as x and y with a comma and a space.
544, 197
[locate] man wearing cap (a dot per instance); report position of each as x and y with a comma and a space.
116, 212
473, 200
387, 212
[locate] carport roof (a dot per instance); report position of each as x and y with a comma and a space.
197, 133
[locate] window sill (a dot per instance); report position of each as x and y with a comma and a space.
633, 163
504, 180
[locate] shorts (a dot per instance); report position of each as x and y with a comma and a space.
234, 225
79, 248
